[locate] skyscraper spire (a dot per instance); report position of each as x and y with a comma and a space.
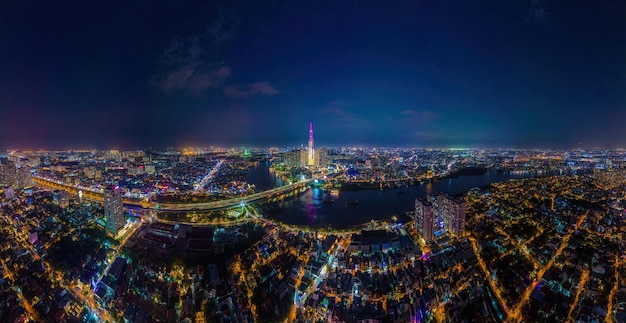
311, 160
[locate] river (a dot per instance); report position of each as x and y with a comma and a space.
310, 209
263, 177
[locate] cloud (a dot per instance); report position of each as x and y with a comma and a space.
202, 81
335, 107
193, 79
193, 64
338, 109
340, 112
184, 51
537, 14
260, 88
188, 68
178, 78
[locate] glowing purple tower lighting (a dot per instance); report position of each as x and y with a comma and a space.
311, 160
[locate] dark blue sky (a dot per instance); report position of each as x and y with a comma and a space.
124, 74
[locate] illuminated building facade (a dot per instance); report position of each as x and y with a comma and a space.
9, 193
8, 174
311, 149
440, 213
424, 217
61, 198
323, 158
113, 210
23, 177
440, 210
456, 225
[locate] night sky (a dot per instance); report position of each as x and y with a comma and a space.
126, 74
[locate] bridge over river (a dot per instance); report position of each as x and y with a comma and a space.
98, 196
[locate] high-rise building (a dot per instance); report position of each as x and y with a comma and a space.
424, 218
61, 198
323, 158
113, 210
9, 193
441, 210
439, 213
295, 158
17, 160
304, 158
24, 177
113, 155
456, 224
8, 174
311, 149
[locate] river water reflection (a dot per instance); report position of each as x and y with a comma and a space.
263, 177
312, 208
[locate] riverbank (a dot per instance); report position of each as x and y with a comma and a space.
310, 209
395, 184
467, 171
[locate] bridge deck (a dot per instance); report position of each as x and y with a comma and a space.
204, 206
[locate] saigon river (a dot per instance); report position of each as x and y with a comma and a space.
313, 207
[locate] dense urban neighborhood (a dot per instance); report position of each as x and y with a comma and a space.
543, 247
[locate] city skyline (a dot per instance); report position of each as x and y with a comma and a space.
264, 235
546, 74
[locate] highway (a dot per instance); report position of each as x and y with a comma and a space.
231, 202
87, 193
198, 186
163, 207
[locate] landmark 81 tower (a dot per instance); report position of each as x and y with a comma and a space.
311, 160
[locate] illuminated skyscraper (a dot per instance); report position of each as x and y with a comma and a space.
113, 210
437, 214
311, 161
424, 215
456, 224
323, 158
8, 174
440, 210
23, 177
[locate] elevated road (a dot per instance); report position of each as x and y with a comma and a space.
223, 204
87, 193
164, 207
